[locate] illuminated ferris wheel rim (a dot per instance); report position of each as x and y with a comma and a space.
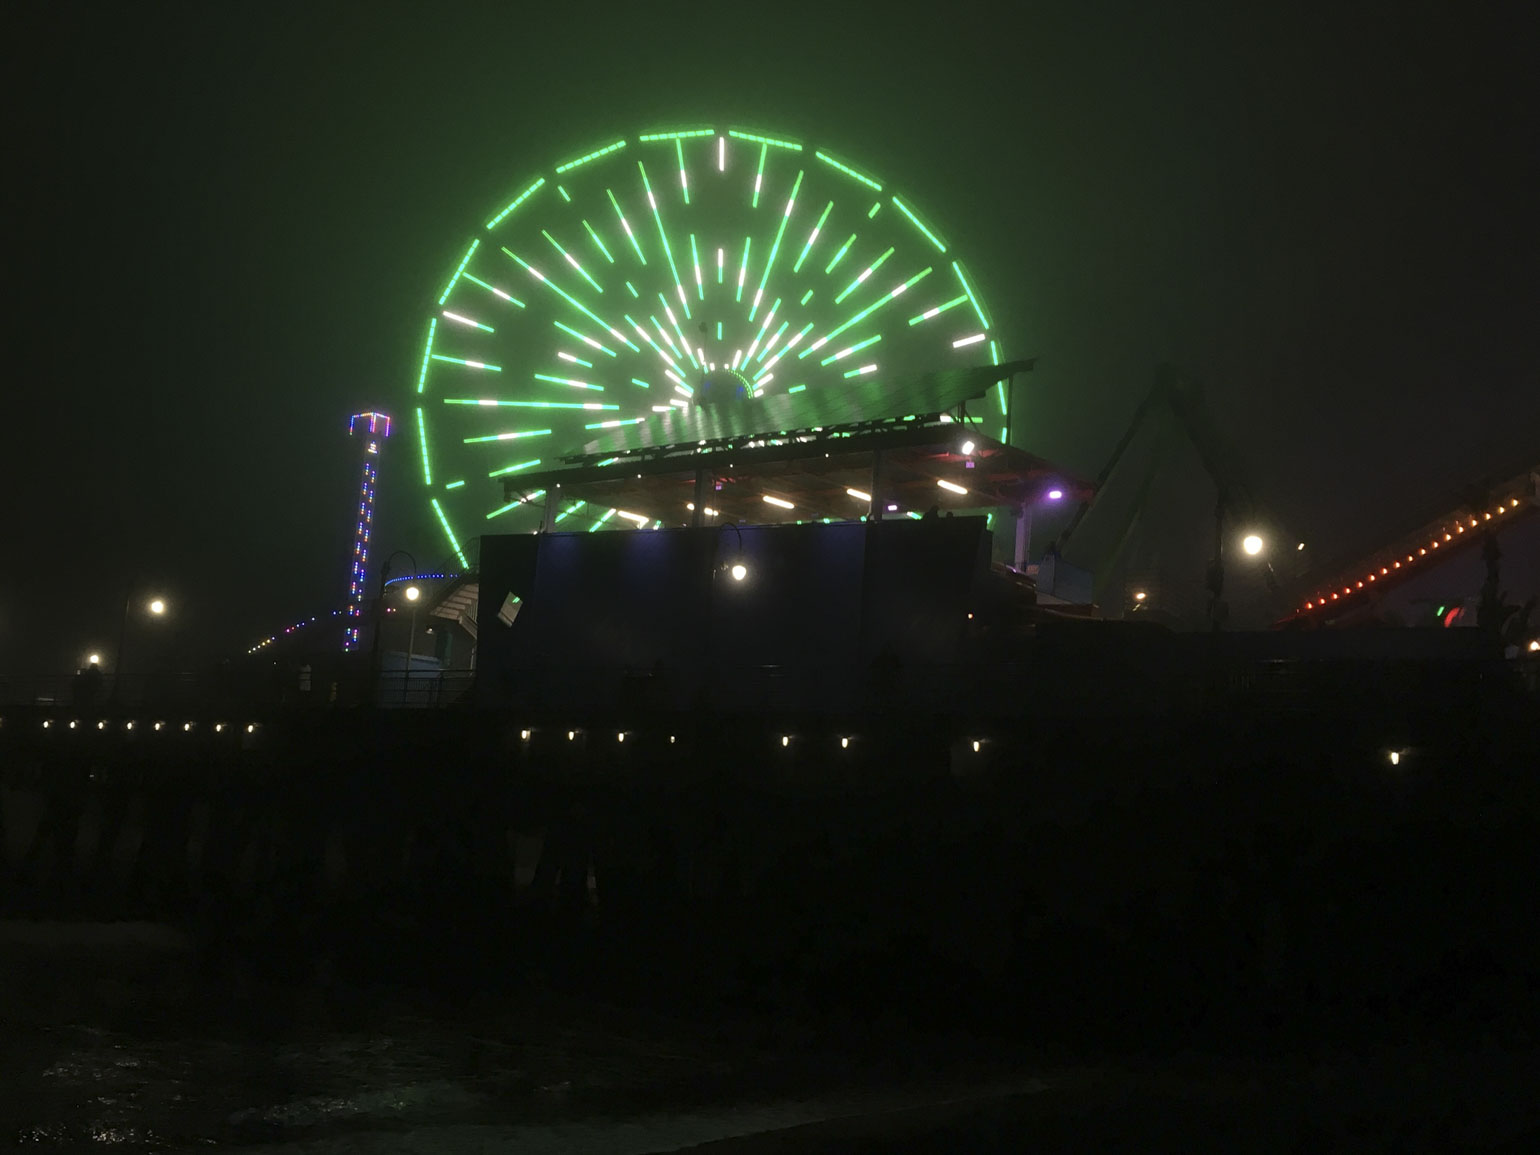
634, 211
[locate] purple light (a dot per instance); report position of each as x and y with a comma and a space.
892, 509
1055, 494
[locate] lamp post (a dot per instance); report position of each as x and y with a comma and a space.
157, 607
379, 618
412, 595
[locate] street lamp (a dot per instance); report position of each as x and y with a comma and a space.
379, 616
93, 660
157, 607
412, 594
1252, 543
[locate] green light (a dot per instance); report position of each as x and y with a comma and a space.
912, 514
839, 256
564, 195
929, 313
512, 468
719, 330
1005, 432
568, 381
575, 360
743, 269
517, 201
573, 301
639, 381
791, 202
601, 521
686, 134
868, 271
765, 324
759, 177
515, 504
511, 435
766, 140
616, 423
568, 512
602, 248
849, 349
449, 533
464, 320
930, 236
776, 336
493, 402
811, 237
972, 300
848, 171
663, 234
870, 309
700, 288
495, 291
584, 338
454, 484
1440, 611
632, 288
796, 389
468, 364
626, 225
871, 212
427, 354
595, 155
422, 443
571, 260
862, 371
720, 258
806, 297
684, 180
454, 280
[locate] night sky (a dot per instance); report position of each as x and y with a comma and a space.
226, 224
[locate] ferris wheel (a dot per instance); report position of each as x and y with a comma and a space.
650, 274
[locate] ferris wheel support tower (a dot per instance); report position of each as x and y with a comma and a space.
369, 432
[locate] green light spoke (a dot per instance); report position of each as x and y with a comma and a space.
684, 179
531, 463
455, 484
868, 311
839, 256
626, 225
719, 330
721, 154
571, 300
463, 320
964, 342
939, 309
848, 171
811, 237
1001, 387
516, 202
774, 337
539, 493
633, 291
700, 287
849, 349
639, 381
743, 269
868, 271
720, 258
806, 297
780, 232
759, 177
596, 239
685, 134
862, 371
765, 140
616, 424
496, 402
595, 155
564, 194
449, 533
663, 235
427, 355
574, 360
422, 443
495, 291
454, 280
684, 342
796, 389
667, 340
972, 300
571, 260
583, 337
874, 210
601, 521
572, 381
929, 236
511, 435
787, 348
569, 511
468, 364
758, 337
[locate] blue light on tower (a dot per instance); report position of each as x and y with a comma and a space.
369, 431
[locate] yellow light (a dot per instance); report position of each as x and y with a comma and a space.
1395, 757
571, 734
968, 448
413, 593
186, 727
101, 725
72, 723
1534, 646
951, 487
157, 606
128, 725
251, 728
621, 736
1252, 544
93, 659
739, 571
524, 735
976, 745
778, 501
844, 743
1140, 595
858, 495
785, 739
